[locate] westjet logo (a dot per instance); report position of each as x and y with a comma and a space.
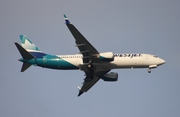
127, 55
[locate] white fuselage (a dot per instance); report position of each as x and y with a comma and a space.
120, 61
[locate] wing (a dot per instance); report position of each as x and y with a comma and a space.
85, 48
88, 83
90, 55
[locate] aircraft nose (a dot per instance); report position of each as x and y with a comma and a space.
161, 61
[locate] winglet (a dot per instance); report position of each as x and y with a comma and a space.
79, 88
80, 92
66, 19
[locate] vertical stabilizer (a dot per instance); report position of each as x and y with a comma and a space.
28, 44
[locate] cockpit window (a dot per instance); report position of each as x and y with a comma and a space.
155, 56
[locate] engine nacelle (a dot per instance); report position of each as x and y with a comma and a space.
111, 76
106, 56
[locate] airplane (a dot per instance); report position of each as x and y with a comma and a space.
96, 65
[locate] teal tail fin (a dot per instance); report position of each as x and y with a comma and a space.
28, 44
26, 55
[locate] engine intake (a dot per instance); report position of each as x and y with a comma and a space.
106, 56
111, 76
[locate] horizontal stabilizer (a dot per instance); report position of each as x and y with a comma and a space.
25, 66
26, 55
23, 52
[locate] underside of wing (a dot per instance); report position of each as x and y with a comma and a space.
85, 48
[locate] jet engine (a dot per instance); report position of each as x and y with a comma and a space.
106, 56
111, 76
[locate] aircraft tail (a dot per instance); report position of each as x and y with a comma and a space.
28, 44
28, 50
26, 55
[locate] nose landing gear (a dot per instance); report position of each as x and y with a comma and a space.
149, 70
151, 67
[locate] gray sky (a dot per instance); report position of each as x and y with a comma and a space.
137, 26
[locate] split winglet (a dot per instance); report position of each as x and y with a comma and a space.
66, 20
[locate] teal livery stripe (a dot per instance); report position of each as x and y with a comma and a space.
51, 61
